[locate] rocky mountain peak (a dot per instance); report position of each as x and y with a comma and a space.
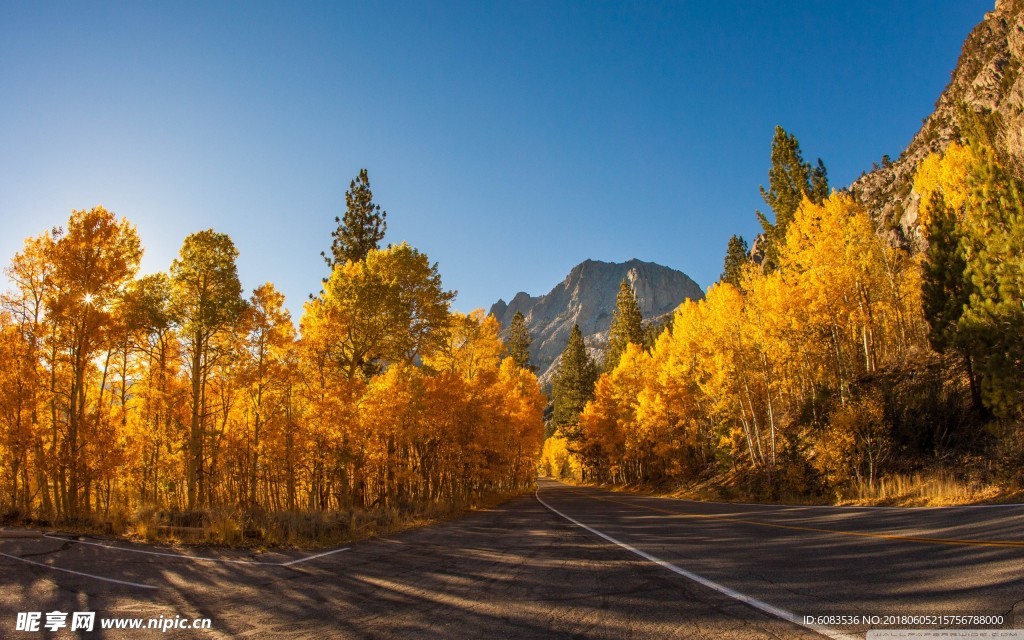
987, 79
587, 297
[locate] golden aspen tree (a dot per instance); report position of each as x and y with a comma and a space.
29, 272
158, 435
523, 406
470, 344
714, 334
558, 462
93, 260
16, 432
269, 337
206, 301
612, 446
170, 391
389, 307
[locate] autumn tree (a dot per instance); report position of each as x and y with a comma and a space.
790, 179
30, 273
469, 345
93, 260
557, 461
610, 442
573, 385
148, 311
517, 345
627, 325
169, 392
16, 425
857, 442
361, 228
390, 307
269, 337
206, 301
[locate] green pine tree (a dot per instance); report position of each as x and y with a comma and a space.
735, 257
573, 385
627, 325
362, 227
518, 343
789, 179
993, 246
946, 289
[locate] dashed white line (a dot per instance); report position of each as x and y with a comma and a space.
788, 616
78, 573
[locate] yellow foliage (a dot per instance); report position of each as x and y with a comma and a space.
731, 382
470, 344
556, 461
856, 444
947, 174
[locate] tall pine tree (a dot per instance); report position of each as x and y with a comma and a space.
789, 179
519, 341
735, 257
573, 385
946, 289
627, 325
362, 227
993, 244
973, 281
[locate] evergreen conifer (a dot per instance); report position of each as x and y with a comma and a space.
362, 227
519, 341
573, 385
789, 179
627, 325
735, 257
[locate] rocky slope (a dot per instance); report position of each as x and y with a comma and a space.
587, 297
987, 79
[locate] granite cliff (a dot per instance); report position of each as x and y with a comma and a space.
987, 80
587, 297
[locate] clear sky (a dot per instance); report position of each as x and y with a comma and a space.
507, 140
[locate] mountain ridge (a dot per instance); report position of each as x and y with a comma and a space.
586, 296
987, 79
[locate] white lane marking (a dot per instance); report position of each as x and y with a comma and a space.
788, 616
193, 558
78, 573
158, 553
319, 555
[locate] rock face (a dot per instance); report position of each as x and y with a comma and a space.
987, 79
587, 298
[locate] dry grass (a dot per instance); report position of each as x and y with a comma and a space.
923, 489
234, 527
224, 527
926, 489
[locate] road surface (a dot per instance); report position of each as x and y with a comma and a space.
567, 562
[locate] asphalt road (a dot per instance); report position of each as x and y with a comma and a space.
826, 561
525, 570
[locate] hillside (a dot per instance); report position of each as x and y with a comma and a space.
987, 80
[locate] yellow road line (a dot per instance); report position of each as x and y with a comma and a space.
859, 534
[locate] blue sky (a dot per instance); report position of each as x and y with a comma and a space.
509, 141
